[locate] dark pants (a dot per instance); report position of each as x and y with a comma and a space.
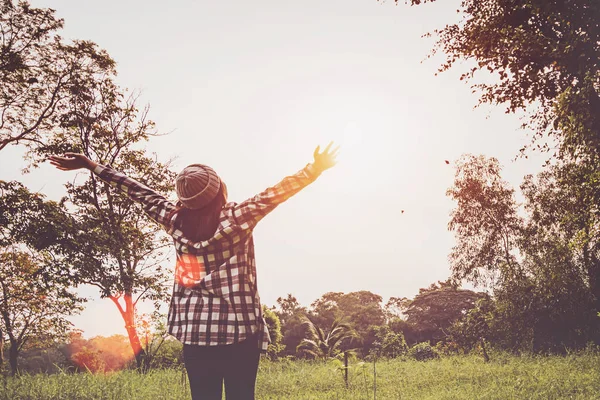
236, 364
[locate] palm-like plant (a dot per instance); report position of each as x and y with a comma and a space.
320, 344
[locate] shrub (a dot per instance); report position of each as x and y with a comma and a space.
393, 345
387, 343
274, 327
423, 352
447, 348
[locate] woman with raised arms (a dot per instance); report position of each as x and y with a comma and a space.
215, 308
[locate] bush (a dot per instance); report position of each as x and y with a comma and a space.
393, 345
387, 343
274, 326
169, 355
423, 352
448, 348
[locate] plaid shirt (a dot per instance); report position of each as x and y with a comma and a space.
215, 295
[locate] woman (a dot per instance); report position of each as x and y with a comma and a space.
215, 309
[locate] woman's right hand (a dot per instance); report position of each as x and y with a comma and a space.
72, 161
326, 159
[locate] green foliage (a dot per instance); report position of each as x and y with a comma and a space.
477, 324
322, 345
28, 218
448, 348
545, 55
274, 326
291, 316
34, 289
49, 360
423, 351
361, 309
410, 332
119, 249
168, 355
437, 307
544, 268
485, 222
389, 343
57, 97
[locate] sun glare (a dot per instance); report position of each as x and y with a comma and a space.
350, 140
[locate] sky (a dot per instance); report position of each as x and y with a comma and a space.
251, 88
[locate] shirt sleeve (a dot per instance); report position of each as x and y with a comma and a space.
155, 205
248, 213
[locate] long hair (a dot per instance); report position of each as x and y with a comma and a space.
200, 224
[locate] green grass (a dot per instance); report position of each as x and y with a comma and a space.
505, 377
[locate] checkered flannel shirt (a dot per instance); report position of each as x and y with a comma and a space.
215, 295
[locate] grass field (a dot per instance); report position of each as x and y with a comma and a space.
505, 377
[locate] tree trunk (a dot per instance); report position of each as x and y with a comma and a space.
346, 368
486, 357
13, 355
128, 315
1, 350
594, 277
134, 339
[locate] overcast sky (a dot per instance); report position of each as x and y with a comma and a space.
251, 88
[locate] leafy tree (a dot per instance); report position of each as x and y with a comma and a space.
34, 296
433, 311
169, 355
47, 360
322, 344
389, 343
33, 312
288, 307
565, 219
545, 268
326, 309
274, 326
546, 55
39, 73
154, 336
486, 223
396, 307
361, 309
291, 315
410, 332
475, 327
119, 249
27, 218
561, 247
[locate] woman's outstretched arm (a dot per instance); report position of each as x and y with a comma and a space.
154, 204
249, 212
